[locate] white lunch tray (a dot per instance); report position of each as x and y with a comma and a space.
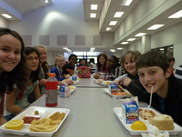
44, 112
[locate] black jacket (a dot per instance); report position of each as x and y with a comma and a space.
173, 101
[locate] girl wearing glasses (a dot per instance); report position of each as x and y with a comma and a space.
17, 100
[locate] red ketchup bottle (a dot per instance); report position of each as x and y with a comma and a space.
51, 91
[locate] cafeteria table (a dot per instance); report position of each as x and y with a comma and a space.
91, 115
88, 83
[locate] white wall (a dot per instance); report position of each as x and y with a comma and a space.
3, 23
170, 36
64, 17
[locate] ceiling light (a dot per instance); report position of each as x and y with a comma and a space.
108, 29
126, 2
119, 48
118, 14
140, 34
155, 26
7, 16
124, 43
112, 50
113, 23
92, 15
161, 48
93, 6
46, 1
176, 15
92, 49
65, 48
131, 39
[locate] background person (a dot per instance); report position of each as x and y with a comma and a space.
171, 64
113, 68
57, 69
101, 63
68, 69
130, 79
44, 69
178, 72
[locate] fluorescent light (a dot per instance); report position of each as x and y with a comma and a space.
92, 15
113, 23
124, 43
126, 2
108, 29
176, 15
112, 50
119, 48
7, 16
92, 49
140, 34
161, 48
118, 14
93, 6
65, 48
155, 26
131, 39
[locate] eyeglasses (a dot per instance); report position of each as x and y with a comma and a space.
32, 58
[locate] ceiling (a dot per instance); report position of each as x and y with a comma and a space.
25, 6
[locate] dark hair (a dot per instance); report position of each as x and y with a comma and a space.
134, 55
171, 59
35, 74
99, 66
153, 58
116, 62
92, 60
72, 55
8, 79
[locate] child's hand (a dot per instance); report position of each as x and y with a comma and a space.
69, 82
126, 81
119, 82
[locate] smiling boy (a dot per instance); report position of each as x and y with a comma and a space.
154, 70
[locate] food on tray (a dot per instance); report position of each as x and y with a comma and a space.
96, 76
121, 93
47, 124
138, 125
15, 124
108, 82
146, 113
100, 81
162, 122
36, 112
57, 116
43, 126
72, 87
29, 119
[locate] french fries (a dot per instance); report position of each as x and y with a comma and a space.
47, 124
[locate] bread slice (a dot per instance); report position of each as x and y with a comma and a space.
162, 122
